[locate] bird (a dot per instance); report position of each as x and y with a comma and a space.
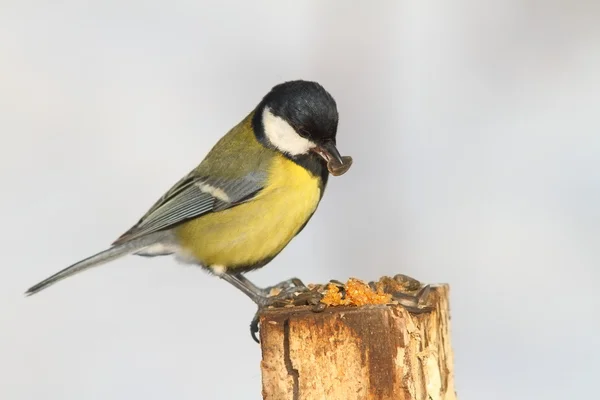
255, 190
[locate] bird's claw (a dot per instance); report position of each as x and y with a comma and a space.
283, 286
254, 326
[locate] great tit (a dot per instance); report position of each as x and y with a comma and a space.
255, 191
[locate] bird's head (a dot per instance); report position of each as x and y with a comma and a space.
299, 118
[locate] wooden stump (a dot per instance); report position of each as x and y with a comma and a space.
369, 352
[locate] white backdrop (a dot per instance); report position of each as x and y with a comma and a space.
475, 133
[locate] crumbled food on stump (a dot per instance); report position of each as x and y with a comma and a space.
354, 293
334, 297
400, 289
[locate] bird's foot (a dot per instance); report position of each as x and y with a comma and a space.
288, 293
283, 286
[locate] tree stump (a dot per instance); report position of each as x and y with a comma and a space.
372, 352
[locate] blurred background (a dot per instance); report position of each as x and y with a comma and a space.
475, 132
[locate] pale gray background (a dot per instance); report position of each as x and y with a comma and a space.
475, 132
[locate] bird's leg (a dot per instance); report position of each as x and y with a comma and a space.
287, 289
255, 293
265, 296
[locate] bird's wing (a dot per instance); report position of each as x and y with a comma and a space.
192, 197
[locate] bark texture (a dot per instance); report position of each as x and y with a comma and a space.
358, 353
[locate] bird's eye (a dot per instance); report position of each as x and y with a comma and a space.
302, 131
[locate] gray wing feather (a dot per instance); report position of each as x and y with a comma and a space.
187, 200
238, 191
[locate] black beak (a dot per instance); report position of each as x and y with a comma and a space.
336, 164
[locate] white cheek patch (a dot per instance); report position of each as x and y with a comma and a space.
283, 136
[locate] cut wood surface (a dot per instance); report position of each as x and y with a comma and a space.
368, 352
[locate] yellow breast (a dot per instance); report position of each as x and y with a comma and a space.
257, 230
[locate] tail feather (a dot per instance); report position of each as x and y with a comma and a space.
97, 259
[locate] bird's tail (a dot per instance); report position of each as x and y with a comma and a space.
97, 259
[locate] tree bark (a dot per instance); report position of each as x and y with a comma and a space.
373, 352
